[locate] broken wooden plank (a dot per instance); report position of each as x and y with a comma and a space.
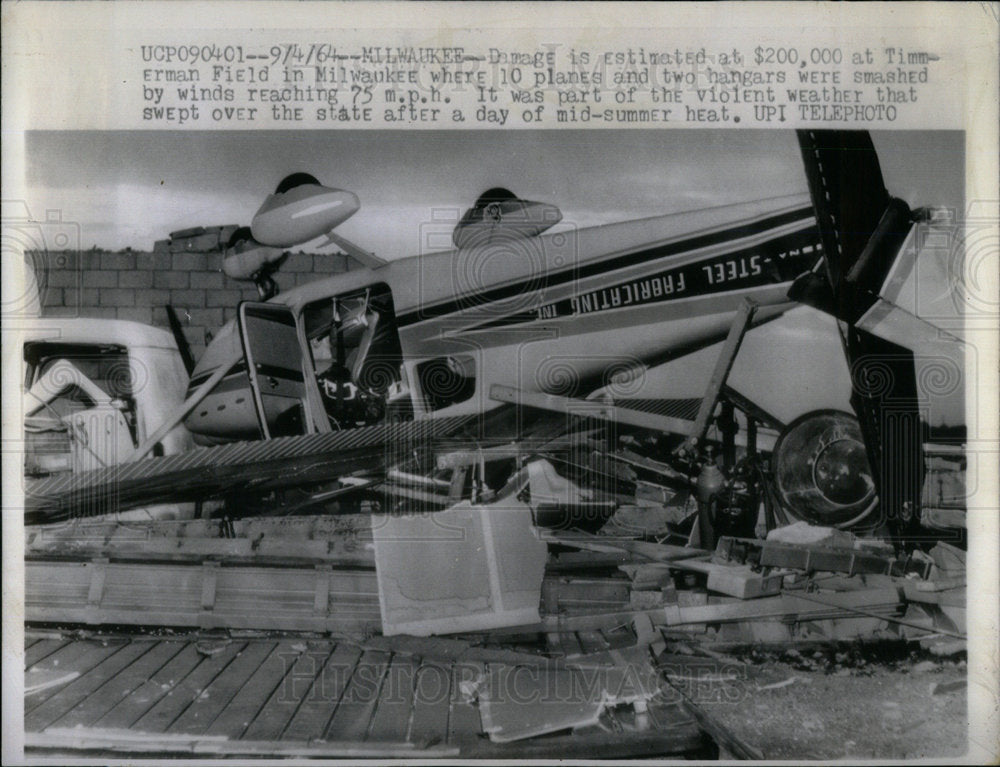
394, 707
80, 655
723, 365
66, 698
42, 649
682, 739
138, 593
206, 707
239, 714
170, 707
313, 716
790, 605
808, 557
657, 552
458, 456
241, 551
464, 723
130, 742
295, 688
787, 607
120, 686
431, 704
148, 694
353, 715
47, 680
572, 594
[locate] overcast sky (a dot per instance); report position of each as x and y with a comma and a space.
132, 188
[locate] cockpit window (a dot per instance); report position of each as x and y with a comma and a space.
356, 354
446, 381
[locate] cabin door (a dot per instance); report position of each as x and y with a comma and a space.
277, 369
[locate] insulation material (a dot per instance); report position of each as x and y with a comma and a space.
468, 568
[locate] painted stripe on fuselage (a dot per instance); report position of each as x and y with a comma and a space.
772, 262
548, 280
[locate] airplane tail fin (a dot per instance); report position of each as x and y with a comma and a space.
863, 230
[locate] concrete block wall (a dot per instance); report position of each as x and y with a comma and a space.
138, 286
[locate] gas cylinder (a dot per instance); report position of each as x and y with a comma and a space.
709, 484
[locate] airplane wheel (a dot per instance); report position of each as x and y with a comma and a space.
821, 470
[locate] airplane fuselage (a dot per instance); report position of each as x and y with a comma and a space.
561, 312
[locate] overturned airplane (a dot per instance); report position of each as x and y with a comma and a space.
574, 533
525, 315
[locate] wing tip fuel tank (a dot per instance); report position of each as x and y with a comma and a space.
301, 209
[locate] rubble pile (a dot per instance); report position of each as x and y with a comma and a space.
563, 611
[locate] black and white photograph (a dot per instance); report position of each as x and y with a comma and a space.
414, 444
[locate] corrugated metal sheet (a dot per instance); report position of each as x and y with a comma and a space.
686, 409
205, 472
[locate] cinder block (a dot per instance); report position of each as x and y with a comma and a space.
298, 262
223, 298
101, 312
136, 314
329, 263
196, 339
189, 299
172, 280
76, 298
52, 297
57, 259
90, 260
160, 317
301, 278
118, 261
70, 297
206, 280
156, 261
134, 278
64, 278
60, 311
152, 298
99, 279
189, 262
117, 297
210, 319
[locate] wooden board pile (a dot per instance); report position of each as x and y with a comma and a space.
559, 639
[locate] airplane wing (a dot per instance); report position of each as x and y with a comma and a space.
366, 257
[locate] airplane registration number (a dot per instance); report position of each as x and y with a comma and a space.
734, 269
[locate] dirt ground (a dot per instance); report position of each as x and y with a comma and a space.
844, 705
